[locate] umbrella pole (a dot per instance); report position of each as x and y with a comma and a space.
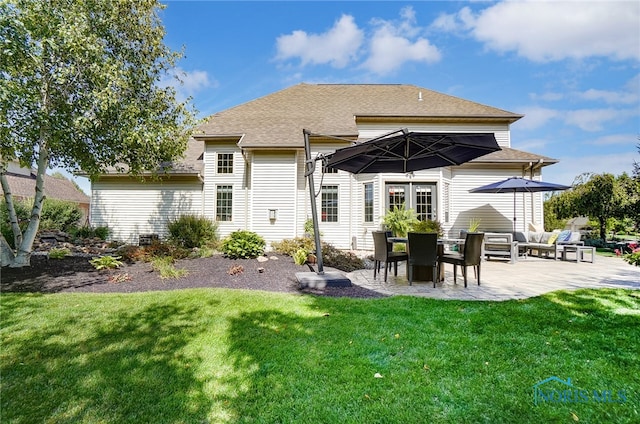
514, 212
314, 210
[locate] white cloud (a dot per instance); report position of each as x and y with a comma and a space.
338, 46
186, 83
395, 43
548, 96
610, 97
595, 119
615, 139
391, 44
545, 31
536, 117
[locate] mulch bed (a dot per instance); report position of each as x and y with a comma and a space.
76, 274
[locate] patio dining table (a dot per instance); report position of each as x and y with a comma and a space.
424, 273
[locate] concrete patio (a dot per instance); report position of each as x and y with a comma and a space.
503, 281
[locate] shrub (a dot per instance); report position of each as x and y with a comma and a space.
634, 257
56, 215
23, 210
59, 215
191, 231
201, 252
88, 232
243, 244
300, 257
164, 266
160, 249
340, 259
131, 253
58, 253
290, 246
106, 262
101, 232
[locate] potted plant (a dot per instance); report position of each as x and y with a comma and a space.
399, 220
474, 224
428, 226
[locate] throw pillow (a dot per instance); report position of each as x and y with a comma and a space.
552, 238
535, 237
564, 236
575, 237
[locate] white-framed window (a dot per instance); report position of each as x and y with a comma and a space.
368, 202
224, 202
225, 163
329, 197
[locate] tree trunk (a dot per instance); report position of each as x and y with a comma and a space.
603, 228
8, 198
6, 253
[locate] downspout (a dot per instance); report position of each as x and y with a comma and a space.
246, 178
532, 173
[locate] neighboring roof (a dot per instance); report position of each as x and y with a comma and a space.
23, 185
277, 120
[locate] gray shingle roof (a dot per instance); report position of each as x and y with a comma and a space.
54, 188
277, 120
508, 155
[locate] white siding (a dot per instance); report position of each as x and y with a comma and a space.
130, 208
495, 210
273, 186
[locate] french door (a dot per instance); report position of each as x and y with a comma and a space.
421, 197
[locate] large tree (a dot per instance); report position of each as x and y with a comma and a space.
599, 196
79, 89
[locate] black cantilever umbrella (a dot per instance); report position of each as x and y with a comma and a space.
399, 151
518, 185
403, 151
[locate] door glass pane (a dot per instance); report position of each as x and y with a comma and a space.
424, 203
396, 196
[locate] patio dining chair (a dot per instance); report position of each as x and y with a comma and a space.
470, 256
423, 251
383, 252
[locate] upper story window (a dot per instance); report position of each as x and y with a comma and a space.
225, 163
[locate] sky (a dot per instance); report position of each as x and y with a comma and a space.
572, 68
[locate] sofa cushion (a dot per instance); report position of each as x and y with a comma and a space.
552, 238
520, 237
564, 236
535, 237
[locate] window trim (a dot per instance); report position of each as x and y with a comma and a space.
368, 209
224, 163
228, 209
324, 213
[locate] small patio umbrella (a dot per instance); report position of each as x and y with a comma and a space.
402, 151
518, 185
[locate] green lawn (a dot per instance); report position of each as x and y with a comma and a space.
218, 356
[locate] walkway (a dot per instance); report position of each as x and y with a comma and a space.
502, 281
